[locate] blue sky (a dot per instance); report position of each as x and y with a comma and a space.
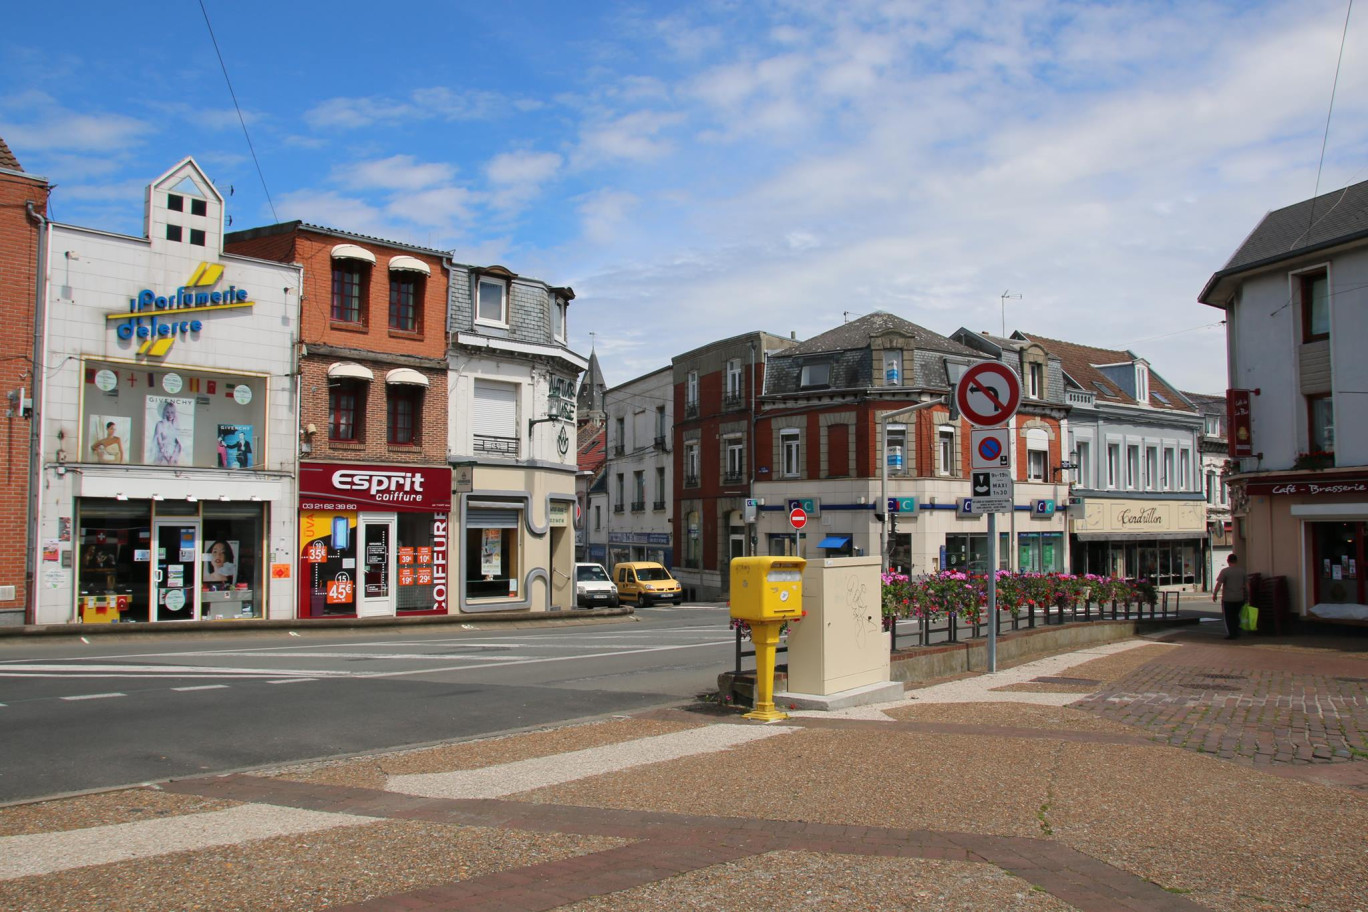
700, 170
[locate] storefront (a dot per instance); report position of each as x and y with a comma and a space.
373, 540
1313, 530
1158, 541
168, 431
640, 546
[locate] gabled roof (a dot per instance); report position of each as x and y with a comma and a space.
857, 333
1326, 221
1080, 364
1207, 403
592, 443
7, 159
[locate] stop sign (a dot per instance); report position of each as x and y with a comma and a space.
798, 517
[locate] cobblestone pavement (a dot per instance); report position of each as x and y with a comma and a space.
1250, 701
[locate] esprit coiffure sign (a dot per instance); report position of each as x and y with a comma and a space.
337, 486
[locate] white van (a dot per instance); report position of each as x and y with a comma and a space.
593, 587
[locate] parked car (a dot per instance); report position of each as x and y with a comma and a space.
593, 587
646, 583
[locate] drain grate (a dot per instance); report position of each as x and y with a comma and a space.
1352, 680
1207, 685
1058, 680
1222, 677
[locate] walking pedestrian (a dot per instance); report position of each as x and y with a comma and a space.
1231, 585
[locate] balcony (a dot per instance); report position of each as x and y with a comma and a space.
690, 481
619, 450
733, 402
734, 478
638, 506
506, 447
617, 508
658, 506
691, 409
1076, 397
660, 443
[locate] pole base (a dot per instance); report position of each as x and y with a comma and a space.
766, 714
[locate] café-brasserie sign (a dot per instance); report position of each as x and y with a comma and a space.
1311, 488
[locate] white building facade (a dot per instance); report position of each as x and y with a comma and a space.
639, 470
169, 439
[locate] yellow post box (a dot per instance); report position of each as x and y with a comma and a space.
766, 592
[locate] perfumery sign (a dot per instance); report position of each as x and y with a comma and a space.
158, 319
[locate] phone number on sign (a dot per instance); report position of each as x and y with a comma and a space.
325, 505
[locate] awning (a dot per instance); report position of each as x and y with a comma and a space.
408, 264
352, 252
835, 541
406, 375
350, 370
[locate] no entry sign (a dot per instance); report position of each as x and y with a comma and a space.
988, 394
798, 517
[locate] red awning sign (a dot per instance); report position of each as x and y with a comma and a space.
988, 394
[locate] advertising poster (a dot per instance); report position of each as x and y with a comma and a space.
235, 446
491, 552
170, 435
327, 543
110, 437
220, 565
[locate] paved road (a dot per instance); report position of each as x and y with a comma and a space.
76, 716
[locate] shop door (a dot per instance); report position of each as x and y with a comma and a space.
377, 593
175, 572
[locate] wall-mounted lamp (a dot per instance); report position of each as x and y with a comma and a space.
121, 496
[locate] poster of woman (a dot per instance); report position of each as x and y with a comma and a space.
235, 446
170, 435
220, 565
110, 435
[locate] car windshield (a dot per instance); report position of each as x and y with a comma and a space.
591, 573
653, 574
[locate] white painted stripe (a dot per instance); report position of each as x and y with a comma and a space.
524, 775
103, 696
46, 853
292, 681
163, 670
201, 687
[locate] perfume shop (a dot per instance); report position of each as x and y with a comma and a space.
171, 517
373, 540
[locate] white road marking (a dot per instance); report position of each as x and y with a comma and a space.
201, 687
292, 681
47, 853
103, 696
539, 772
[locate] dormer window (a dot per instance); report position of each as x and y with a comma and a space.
492, 302
1141, 384
816, 375
559, 307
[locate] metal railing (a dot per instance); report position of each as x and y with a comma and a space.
496, 446
638, 506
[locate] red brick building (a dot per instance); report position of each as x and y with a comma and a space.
375, 484
23, 203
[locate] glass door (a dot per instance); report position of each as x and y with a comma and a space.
377, 593
175, 569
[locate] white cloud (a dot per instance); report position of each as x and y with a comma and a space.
397, 172
631, 137
523, 167
604, 214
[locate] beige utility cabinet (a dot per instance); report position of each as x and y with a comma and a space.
841, 644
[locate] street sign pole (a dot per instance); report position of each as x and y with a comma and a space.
992, 593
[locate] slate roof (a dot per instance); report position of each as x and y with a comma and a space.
7, 159
1329, 219
856, 335
1080, 362
1208, 404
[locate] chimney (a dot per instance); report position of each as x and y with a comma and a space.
793, 336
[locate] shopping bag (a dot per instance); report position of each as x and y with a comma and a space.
1249, 618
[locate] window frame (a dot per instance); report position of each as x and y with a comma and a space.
1113, 466
791, 452
502, 286
1082, 466
806, 379
734, 455
1035, 380
359, 270
397, 396
417, 285
691, 388
1306, 282
1132, 466
1326, 445
691, 463
1036, 472
336, 390
947, 453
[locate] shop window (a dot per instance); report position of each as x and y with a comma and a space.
1040, 552
968, 553
422, 560
349, 292
402, 407
405, 297
231, 577
491, 552
346, 405
1337, 552
170, 417
113, 560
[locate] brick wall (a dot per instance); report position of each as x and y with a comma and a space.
19, 239
373, 446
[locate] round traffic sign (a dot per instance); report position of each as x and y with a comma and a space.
990, 448
798, 517
988, 393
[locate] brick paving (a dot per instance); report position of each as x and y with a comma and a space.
1247, 703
